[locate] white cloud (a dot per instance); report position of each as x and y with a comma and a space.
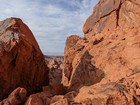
51, 23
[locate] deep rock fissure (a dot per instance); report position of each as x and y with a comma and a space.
118, 14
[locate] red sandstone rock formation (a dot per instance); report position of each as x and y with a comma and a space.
50, 92
17, 97
55, 75
104, 65
112, 47
78, 69
42, 98
21, 60
113, 33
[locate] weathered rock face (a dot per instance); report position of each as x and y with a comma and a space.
115, 49
110, 54
47, 98
104, 66
78, 70
69, 55
21, 61
42, 98
123, 92
18, 96
110, 15
55, 75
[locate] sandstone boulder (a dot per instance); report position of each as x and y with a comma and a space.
18, 96
59, 100
42, 98
22, 63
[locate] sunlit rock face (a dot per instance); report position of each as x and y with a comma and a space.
113, 33
107, 58
21, 60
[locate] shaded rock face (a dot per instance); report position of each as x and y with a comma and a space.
38, 99
55, 75
78, 70
44, 98
69, 55
18, 96
21, 61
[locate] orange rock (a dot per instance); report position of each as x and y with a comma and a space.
78, 70
22, 63
112, 51
103, 68
18, 96
59, 100
39, 99
55, 76
69, 55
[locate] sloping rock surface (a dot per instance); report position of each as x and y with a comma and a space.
78, 68
22, 63
111, 49
17, 97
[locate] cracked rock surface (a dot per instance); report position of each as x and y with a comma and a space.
111, 50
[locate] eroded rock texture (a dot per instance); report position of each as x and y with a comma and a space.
109, 57
55, 75
18, 96
22, 63
115, 50
78, 68
103, 68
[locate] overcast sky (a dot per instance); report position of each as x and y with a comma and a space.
51, 21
